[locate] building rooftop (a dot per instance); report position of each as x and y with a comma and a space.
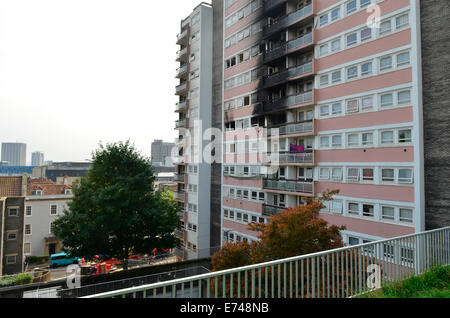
10, 186
48, 187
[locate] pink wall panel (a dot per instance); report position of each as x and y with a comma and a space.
243, 205
239, 227
391, 154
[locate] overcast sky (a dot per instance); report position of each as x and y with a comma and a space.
77, 72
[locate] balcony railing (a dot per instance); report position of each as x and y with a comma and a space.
180, 123
289, 186
181, 106
286, 158
337, 273
288, 47
269, 209
181, 88
181, 53
182, 70
288, 20
179, 195
290, 129
179, 178
288, 74
288, 102
182, 36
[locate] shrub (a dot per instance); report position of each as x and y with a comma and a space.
19, 279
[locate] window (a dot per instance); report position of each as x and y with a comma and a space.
405, 176
385, 63
387, 175
368, 175
352, 39
324, 20
368, 210
28, 211
336, 108
353, 175
336, 45
324, 80
325, 142
11, 236
27, 229
323, 49
401, 21
367, 104
353, 241
404, 97
335, 14
367, 139
387, 213
388, 251
351, 7
27, 248
336, 77
10, 259
385, 27
13, 212
336, 141
352, 106
364, 3
366, 34
336, 207
337, 174
387, 137
387, 100
404, 136
353, 208
324, 174
403, 59
324, 110
352, 72
366, 69
406, 215
353, 140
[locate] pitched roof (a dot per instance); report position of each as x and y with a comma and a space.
47, 187
11, 186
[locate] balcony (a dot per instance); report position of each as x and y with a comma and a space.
289, 186
181, 89
180, 124
288, 20
271, 4
289, 158
182, 71
179, 195
288, 47
289, 74
180, 106
182, 54
182, 38
290, 129
179, 178
270, 210
290, 101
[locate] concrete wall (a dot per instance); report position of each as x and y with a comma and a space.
435, 17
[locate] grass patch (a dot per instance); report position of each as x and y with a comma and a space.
432, 284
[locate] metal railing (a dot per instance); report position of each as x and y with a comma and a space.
179, 177
182, 52
288, 101
287, 47
181, 106
289, 186
290, 129
181, 70
180, 123
179, 195
180, 88
281, 158
338, 273
286, 21
288, 74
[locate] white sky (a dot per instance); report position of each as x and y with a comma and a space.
76, 72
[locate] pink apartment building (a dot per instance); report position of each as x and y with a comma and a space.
342, 95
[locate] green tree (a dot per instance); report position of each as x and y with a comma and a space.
115, 210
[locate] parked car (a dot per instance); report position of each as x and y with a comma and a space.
63, 259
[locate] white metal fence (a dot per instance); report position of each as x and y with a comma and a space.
338, 273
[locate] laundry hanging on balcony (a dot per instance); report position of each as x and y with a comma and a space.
297, 149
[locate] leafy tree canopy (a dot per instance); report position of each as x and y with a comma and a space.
115, 210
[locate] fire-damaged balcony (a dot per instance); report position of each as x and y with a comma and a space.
306, 157
290, 129
280, 23
289, 74
271, 4
283, 103
288, 47
289, 186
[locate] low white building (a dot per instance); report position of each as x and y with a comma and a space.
45, 201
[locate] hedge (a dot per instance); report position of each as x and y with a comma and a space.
20, 279
38, 259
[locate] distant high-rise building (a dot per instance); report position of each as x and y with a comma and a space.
14, 153
160, 151
37, 159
